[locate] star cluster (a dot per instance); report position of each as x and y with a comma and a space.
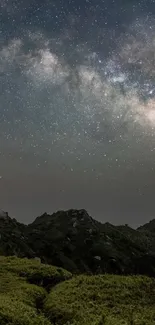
77, 104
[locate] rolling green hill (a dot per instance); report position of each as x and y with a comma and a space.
24, 285
32, 293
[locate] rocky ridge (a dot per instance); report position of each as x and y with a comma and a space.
77, 242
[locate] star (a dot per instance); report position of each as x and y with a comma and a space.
77, 106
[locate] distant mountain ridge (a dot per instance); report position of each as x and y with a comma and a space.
75, 241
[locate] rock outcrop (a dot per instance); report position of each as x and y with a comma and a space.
77, 242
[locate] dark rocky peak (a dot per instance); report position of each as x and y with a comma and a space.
3, 214
82, 213
74, 240
150, 226
68, 217
10, 223
44, 218
79, 215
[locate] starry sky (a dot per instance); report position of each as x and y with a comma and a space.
77, 108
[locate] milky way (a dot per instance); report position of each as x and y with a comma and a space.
77, 108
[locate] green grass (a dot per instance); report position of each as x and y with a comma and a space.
17, 288
97, 300
15, 312
79, 300
21, 301
33, 270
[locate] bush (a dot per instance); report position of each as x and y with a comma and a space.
15, 312
34, 271
20, 301
103, 299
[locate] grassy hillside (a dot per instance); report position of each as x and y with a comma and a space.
32, 293
21, 300
103, 299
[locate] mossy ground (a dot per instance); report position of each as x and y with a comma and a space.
103, 299
20, 300
79, 300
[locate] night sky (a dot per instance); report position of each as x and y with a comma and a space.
77, 108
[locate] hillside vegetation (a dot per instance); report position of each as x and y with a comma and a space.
103, 299
21, 300
32, 293
103, 274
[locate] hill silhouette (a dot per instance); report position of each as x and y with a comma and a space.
75, 241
